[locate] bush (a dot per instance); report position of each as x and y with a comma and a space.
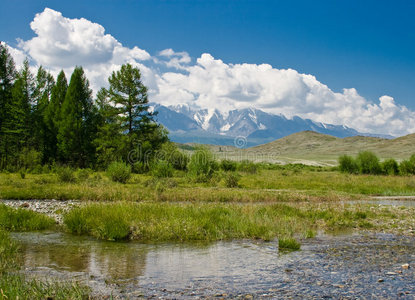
119, 172
348, 165
232, 179
162, 169
247, 167
406, 167
390, 167
202, 165
228, 165
288, 244
66, 174
368, 163
170, 153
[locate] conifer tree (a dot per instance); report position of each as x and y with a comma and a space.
22, 93
128, 120
7, 77
77, 125
44, 83
52, 115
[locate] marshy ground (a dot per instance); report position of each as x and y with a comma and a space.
189, 239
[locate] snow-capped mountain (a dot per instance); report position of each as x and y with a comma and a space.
258, 127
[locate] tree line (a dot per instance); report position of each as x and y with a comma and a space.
44, 121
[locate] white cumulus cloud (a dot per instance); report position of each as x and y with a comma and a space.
208, 82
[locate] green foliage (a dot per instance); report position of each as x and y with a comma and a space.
23, 220
407, 167
162, 169
348, 165
29, 159
119, 172
232, 179
66, 174
170, 153
202, 165
368, 163
390, 167
228, 165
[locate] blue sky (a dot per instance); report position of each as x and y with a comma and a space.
366, 45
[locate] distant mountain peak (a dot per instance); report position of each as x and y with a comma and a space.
187, 124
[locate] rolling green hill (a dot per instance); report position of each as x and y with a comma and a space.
315, 148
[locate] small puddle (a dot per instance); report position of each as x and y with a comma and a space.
327, 266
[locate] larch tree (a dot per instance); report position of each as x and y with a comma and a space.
52, 115
7, 78
76, 127
128, 120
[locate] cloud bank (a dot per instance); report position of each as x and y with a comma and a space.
207, 82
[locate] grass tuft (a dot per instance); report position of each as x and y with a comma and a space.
23, 220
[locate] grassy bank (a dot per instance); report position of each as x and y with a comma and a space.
265, 186
205, 221
23, 220
14, 285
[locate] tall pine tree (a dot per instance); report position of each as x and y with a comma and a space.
7, 77
52, 116
23, 90
77, 126
44, 84
128, 122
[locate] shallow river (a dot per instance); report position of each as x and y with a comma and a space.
344, 266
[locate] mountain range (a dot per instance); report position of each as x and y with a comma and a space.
251, 126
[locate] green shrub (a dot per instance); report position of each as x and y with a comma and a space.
247, 167
140, 167
228, 165
232, 179
162, 169
202, 165
66, 174
119, 172
407, 167
348, 165
170, 153
390, 167
368, 163
288, 244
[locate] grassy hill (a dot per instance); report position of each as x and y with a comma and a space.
315, 148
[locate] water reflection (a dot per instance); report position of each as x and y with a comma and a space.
79, 254
171, 270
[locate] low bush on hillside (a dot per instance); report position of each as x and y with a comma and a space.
119, 172
367, 162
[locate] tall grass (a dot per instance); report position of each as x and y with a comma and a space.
210, 222
23, 220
